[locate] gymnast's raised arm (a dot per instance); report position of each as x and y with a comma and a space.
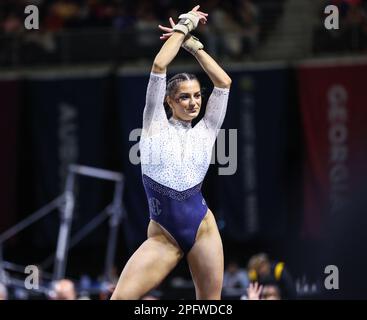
217, 103
154, 110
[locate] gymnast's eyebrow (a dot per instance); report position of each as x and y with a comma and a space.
187, 93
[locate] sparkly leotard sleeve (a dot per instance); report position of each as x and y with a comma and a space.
175, 158
154, 114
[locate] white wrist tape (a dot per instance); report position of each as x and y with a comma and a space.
188, 22
192, 44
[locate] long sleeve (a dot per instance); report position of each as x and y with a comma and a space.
154, 112
216, 109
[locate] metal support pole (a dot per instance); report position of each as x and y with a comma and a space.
39, 214
80, 235
31, 219
65, 203
64, 232
2, 270
114, 222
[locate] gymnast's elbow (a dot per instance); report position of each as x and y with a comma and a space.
225, 83
159, 67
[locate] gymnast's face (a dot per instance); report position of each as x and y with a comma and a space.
186, 102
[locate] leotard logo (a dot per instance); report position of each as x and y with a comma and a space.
154, 205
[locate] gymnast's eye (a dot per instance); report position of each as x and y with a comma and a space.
183, 97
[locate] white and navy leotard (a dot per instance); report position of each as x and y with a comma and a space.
175, 158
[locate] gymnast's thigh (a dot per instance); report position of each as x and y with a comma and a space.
206, 260
148, 266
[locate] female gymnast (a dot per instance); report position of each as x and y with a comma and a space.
175, 158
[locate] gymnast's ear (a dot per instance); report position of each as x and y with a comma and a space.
168, 102
167, 107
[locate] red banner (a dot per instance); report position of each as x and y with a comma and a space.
9, 93
334, 111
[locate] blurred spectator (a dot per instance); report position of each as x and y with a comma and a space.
152, 295
259, 292
147, 27
60, 13
248, 14
63, 289
270, 292
352, 33
65, 9
235, 277
107, 286
233, 31
253, 292
235, 27
106, 290
3, 292
85, 285
355, 27
149, 297
12, 24
223, 35
267, 272
123, 19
